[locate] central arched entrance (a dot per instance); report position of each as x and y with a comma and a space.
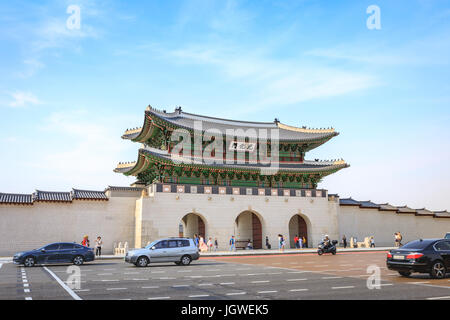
299, 227
248, 226
191, 224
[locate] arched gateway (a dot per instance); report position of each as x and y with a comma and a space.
299, 227
191, 224
248, 226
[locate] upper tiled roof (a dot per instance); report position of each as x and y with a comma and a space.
405, 209
442, 214
369, 204
186, 120
10, 198
119, 188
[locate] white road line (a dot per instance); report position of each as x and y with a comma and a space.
152, 287
277, 272
138, 279
26, 285
28, 298
205, 284
24, 280
298, 290
185, 271
235, 293
271, 291
131, 273
108, 280
180, 285
260, 281
158, 298
347, 287
104, 274
82, 290
26, 290
225, 283
65, 287
439, 298
110, 289
167, 278
199, 295
326, 278
158, 272
303, 279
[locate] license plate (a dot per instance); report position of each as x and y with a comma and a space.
399, 257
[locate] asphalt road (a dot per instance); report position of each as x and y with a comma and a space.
291, 277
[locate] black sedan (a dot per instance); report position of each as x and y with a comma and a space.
424, 256
55, 253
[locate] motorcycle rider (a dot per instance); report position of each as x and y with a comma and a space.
326, 242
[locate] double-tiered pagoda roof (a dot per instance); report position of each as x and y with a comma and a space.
157, 162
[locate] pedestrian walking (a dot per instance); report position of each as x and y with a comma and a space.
268, 246
344, 241
85, 241
232, 244
216, 244
196, 240
300, 243
296, 244
202, 245
209, 244
372, 242
98, 246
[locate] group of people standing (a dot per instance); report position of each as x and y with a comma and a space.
98, 244
299, 242
205, 246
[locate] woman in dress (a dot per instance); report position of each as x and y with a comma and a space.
202, 245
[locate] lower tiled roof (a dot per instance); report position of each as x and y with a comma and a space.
51, 196
399, 210
13, 198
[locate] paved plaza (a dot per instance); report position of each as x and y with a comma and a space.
257, 277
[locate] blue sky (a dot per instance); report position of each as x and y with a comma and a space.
66, 96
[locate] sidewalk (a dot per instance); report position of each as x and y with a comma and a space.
259, 252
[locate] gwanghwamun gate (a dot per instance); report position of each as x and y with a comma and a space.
213, 177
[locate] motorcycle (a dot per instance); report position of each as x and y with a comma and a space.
330, 249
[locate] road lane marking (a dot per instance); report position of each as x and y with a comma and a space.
28, 298
108, 280
326, 278
151, 287
269, 291
104, 274
298, 290
439, 298
180, 285
65, 287
235, 293
347, 287
82, 290
205, 284
111, 289
303, 279
158, 298
199, 295
260, 281
225, 283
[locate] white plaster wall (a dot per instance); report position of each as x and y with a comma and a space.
32, 226
163, 211
355, 221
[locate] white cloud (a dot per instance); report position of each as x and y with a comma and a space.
22, 99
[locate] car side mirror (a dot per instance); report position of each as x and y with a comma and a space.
153, 248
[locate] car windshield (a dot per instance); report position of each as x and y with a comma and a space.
417, 245
151, 244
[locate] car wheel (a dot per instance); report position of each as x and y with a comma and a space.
185, 260
438, 270
404, 273
78, 260
142, 261
29, 262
